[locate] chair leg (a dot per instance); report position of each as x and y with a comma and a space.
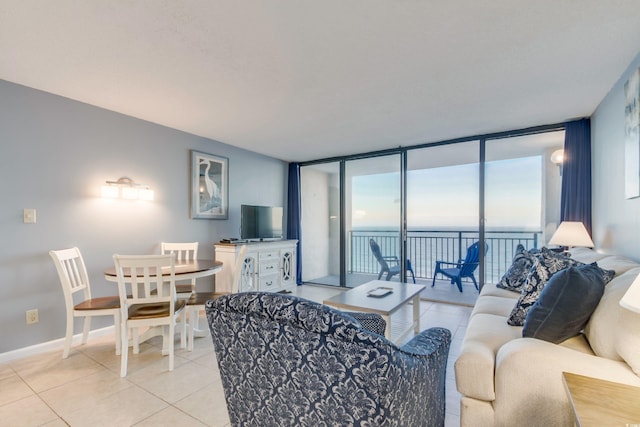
410, 268
68, 336
170, 339
475, 283
193, 321
196, 321
136, 340
116, 327
459, 283
433, 282
86, 328
184, 324
124, 349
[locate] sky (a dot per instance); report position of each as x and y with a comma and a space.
448, 196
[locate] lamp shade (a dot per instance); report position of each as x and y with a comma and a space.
631, 299
571, 233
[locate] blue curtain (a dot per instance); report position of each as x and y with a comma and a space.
294, 224
575, 203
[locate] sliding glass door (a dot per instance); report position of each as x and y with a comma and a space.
443, 197
372, 217
522, 196
368, 190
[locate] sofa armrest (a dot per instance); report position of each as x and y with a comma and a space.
371, 321
475, 366
528, 380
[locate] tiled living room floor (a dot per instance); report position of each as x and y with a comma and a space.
86, 389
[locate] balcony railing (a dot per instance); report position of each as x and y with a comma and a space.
425, 247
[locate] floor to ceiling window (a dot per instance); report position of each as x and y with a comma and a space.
372, 216
442, 206
522, 196
430, 209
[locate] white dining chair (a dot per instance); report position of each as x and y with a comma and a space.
140, 307
196, 302
74, 279
184, 253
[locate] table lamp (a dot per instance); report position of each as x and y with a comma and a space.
571, 234
631, 299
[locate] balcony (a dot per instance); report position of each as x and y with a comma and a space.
424, 247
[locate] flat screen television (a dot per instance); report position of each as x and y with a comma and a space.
260, 222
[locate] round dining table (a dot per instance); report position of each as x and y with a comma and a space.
184, 271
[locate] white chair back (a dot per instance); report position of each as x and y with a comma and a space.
151, 279
149, 301
74, 279
72, 273
184, 252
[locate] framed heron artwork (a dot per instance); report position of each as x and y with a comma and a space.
209, 186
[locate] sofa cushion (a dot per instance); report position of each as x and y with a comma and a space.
491, 304
617, 263
516, 275
628, 339
547, 264
492, 290
604, 327
565, 304
586, 255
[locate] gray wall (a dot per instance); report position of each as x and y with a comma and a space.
55, 154
616, 220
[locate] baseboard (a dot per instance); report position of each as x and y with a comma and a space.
51, 345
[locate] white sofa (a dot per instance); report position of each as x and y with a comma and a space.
508, 380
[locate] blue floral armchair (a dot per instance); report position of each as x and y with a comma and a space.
287, 361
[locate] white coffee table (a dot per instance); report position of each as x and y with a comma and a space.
357, 299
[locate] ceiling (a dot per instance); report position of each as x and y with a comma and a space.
302, 80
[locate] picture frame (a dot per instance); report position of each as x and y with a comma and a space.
209, 186
632, 136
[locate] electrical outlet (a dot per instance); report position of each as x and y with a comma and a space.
32, 316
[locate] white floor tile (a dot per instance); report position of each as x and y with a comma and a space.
86, 388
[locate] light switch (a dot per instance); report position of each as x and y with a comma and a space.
29, 216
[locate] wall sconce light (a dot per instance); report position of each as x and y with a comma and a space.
126, 188
557, 158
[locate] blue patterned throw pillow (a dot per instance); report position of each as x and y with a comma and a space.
516, 275
546, 265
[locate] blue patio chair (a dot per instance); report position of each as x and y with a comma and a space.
287, 361
461, 269
385, 260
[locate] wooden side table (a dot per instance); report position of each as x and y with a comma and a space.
601, 403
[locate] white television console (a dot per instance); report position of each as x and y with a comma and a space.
268, 266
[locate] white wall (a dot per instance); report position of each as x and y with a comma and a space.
616, 220
55, 154
316, 199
